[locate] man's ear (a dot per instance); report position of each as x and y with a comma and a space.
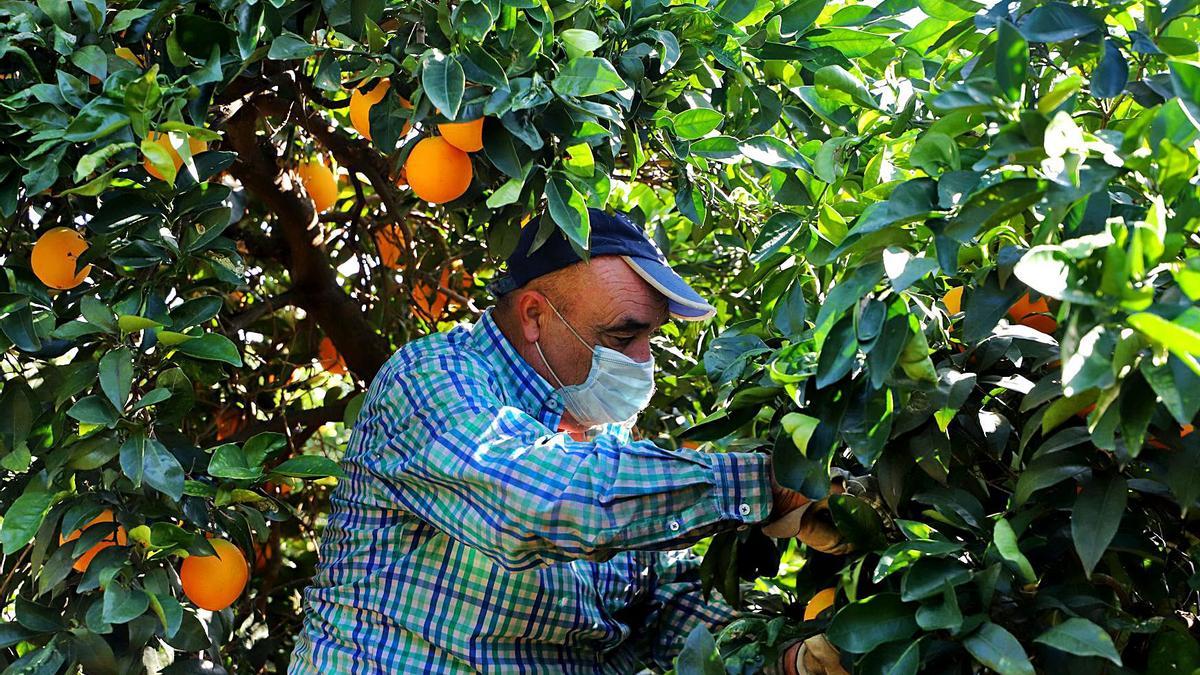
531, 311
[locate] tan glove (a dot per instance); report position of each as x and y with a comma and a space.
814, 656
812, 524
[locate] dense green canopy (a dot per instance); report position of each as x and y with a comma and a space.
1015, 476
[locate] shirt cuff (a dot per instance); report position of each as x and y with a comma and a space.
743, 485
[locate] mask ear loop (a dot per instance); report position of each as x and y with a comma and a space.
569, 326
537, 345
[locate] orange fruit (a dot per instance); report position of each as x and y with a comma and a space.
466, 136
320, 184
1027, 313
953, 300
330, 359
389, 241
213, 582
262, 555
117, 538
54, 256
437, 171
360, 108
430, 301
820, 602
229, 421
165, 141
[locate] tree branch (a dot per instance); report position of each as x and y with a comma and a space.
314, 281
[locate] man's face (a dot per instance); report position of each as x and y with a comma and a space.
609, 305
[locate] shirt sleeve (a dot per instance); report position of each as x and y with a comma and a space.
497, 479
677, 606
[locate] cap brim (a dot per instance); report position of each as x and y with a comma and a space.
682, 301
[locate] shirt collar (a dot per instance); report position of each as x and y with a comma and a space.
523, 385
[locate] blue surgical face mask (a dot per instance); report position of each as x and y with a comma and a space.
617, 388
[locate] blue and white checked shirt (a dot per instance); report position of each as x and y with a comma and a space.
470, 536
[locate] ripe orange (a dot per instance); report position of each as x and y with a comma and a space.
165, 141
1026, 312
360, 108
820, 602
430, 301
330, 359
437, 171
262, 555
466, 136
117, 538
229, 421
320, 184
54, 258
953, 300
389, 241
213, 582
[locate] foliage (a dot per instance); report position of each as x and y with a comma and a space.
824, 171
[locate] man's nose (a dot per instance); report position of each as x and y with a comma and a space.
639, 351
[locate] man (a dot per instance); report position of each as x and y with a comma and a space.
497, 516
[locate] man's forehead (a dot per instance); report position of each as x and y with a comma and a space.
619, 296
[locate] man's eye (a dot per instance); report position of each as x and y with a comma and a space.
624, 341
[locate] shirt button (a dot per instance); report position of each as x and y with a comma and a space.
673, 525
744, 509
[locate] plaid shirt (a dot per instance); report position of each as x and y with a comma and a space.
469, 535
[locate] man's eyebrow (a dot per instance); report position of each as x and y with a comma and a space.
628, 324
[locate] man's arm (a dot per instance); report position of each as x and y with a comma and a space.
498, 480
677, 607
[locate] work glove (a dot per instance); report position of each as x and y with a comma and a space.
812, 524
812, 656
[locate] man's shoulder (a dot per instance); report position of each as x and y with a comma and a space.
435, 358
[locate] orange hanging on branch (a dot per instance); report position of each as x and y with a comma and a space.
466, 136
389, 241
195, 146
330, 359
54, 258
214, 582
438, 172
320, 183
118, 538
1027, 312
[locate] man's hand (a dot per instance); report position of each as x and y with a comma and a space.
784, 499
814, 656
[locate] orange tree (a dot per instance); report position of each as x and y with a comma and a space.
1004, 478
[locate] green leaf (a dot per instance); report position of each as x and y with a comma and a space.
1057, 22
212, 347
93, 410
864, 625
24, 517
1005, 540
309, 466
569, 210
696, 122
1181, 335
905, 553
791, 311
699, 655
160, 158
116, 376
838, 78
1185, 78
1111, 74
941, 613
263, 446
857, 521
587, 76
997, 649
146, 459
229, 461
122, 605
1081, 638
443, 80
773, 152
1096, 518
579, 41
799, 15
1012, 60
290, 46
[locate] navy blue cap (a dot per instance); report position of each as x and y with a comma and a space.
611, 234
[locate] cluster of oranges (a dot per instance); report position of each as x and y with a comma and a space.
438, 168
1025, 311
211, 582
